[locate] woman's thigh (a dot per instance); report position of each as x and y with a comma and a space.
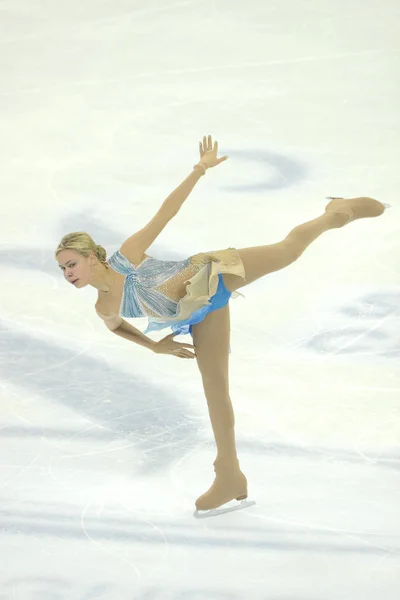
211, 338
259, 261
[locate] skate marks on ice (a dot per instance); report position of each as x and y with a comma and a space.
63, 522
59, 589
367, 325
54, 588
130, 410
276, 171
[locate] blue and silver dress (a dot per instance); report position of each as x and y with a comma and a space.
148, 288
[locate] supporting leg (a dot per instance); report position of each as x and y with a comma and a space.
211, 339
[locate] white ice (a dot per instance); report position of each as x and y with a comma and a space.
105, 445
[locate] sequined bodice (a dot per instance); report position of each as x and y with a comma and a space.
150, 288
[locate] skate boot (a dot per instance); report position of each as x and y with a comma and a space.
229, 484
355, 208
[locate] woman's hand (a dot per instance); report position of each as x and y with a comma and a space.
208, 154
168, 346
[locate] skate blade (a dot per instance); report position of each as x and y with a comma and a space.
215, 512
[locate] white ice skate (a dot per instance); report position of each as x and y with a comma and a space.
215, 512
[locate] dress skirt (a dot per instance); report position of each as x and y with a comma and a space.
205, 291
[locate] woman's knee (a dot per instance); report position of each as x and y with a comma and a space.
214, 370
293, 247
215, 377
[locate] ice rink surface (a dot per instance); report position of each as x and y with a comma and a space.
105, 445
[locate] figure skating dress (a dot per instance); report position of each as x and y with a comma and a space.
149, 288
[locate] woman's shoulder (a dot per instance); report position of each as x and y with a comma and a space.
103, 310
112, 321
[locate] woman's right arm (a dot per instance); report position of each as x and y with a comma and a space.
120, 327
165, 346
126, 331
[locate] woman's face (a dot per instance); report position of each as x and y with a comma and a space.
75, 266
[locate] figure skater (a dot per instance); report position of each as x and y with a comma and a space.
192, 296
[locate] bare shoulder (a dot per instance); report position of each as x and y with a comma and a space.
111, 320
101, 310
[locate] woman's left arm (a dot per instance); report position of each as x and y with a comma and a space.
136, 245
173, 203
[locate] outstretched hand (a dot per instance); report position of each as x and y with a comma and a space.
208, 153
168, 346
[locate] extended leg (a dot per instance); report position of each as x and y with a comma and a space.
262, 260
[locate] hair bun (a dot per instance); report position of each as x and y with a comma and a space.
101, 253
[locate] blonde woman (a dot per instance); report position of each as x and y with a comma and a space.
192, 296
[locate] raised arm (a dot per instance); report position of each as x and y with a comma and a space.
137, 244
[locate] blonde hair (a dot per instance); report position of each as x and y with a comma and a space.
82, 243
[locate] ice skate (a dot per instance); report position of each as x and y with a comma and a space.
355, 208
229, 484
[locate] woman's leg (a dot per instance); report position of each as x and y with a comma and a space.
262, 260
211, 339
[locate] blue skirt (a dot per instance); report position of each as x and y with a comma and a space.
220, 299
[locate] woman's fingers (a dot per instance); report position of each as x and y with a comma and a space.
182, 355
186, 354
209, 151
207, 145
181, 352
